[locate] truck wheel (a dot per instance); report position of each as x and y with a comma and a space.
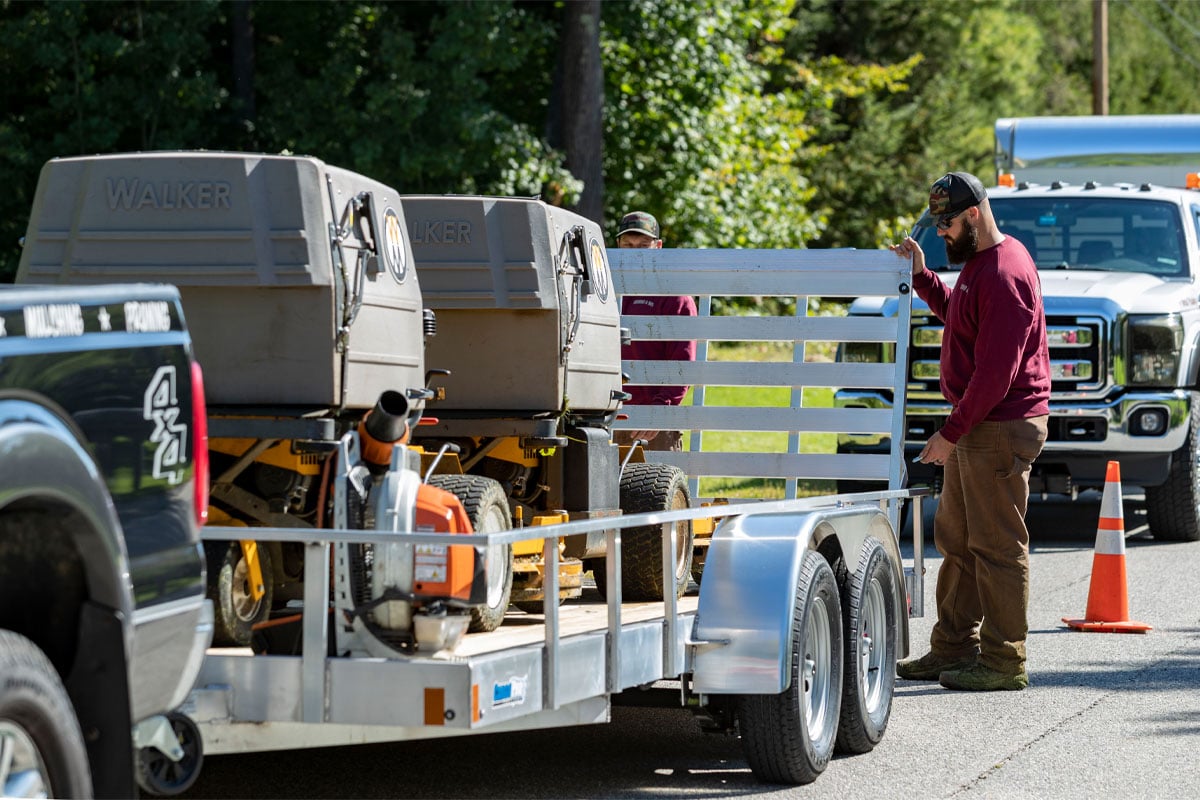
235, 610
487, 506
650, 487
161, 776
869, 605
1173, 509
789, 737
41, 747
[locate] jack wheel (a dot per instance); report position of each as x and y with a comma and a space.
161, 776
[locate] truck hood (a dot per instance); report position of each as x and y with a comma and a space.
1133, 291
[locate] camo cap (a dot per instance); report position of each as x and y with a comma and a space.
952, 194
639, 222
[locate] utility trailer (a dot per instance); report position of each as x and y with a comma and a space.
800, 616
314, 390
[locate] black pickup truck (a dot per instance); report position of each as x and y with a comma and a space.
103, 487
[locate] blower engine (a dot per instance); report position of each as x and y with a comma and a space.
392, 597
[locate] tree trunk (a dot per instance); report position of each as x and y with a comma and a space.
581, 93
243, 68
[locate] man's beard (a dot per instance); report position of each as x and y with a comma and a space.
963, 248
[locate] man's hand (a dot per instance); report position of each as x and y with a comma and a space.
911, 250
936, 451
647, 435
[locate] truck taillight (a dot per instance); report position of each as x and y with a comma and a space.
199, 445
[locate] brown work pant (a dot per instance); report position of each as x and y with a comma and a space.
666, 440
983, 583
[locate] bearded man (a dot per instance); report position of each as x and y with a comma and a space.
995, 373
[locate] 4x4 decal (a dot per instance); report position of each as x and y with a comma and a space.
161, 406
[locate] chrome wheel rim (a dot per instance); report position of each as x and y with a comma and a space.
22, 772
815, 669
871, 645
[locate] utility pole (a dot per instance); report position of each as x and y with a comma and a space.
1100, 57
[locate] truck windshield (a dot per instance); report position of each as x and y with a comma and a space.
1109, 234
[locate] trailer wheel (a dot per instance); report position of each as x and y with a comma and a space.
41, 747
161, 776
869, 606
486, 504
1173, 509
651, 487
789, 737
235, 611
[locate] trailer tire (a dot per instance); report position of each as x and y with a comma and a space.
486, 504
163, 777
789, 737
869, 608
235, 612
1173, 509
650, 487
38, 728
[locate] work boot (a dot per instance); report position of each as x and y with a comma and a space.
978, 678
930, 666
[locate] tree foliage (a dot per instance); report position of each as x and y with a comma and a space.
740, 123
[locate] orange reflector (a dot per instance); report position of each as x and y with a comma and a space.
1006, 179
1193, 180
435, 706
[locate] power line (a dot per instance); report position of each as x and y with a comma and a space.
1193, 31
1163, 36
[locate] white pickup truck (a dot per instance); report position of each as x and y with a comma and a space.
1108, 208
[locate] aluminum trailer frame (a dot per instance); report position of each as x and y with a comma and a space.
504, 681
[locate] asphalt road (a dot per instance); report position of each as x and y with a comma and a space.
1107, 715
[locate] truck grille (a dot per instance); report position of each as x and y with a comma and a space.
1077, 365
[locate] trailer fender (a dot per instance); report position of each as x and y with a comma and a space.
742, 632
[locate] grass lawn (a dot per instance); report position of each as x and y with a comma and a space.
757, 441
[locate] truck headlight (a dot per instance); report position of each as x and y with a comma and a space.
1155, 343
866, 352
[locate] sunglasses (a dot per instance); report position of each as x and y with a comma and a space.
945, 223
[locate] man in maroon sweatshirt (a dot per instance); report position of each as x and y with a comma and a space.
639, 229
995, 372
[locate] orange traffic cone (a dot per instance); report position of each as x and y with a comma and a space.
1108, 603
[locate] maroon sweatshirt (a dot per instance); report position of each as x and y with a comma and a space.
657, 350
995, 362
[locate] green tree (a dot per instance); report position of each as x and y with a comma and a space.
97, 77
957, 69
761, 123
695, 133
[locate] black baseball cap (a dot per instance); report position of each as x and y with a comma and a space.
952, 194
